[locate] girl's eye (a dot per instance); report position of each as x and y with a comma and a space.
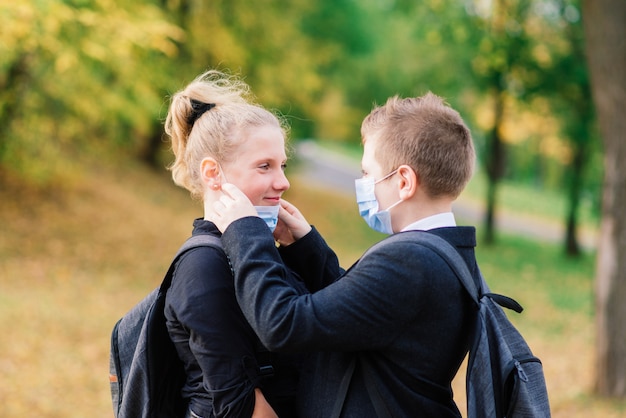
283, 166
264, 166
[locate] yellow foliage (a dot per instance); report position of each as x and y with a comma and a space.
336, 121
523, 123
541, 53
536, 122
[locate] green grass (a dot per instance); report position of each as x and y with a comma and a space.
72, 262
525, 266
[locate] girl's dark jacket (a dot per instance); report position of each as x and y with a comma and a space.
220, 350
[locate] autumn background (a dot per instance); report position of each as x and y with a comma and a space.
89, 217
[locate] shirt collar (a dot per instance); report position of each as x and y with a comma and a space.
440, 220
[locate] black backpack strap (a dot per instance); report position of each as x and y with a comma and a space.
458, 265
382, 411
454, 260
201, 240
343, 389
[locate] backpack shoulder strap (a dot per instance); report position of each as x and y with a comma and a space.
458, 265
454, 260
343, 389
201, 240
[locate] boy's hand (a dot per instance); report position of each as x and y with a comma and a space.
233, 205
291, 224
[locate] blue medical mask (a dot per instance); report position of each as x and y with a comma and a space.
269, 214
368, 205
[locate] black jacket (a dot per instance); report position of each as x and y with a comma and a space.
399, 308
220, 350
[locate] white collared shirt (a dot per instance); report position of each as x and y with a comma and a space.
440, 220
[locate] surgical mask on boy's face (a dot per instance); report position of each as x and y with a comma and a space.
268, 213
368, 205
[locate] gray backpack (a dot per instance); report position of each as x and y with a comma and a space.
504, 378
145, 372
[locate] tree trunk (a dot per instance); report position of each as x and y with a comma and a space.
579, 130
572, 247
606, 55
11, 91
495, 165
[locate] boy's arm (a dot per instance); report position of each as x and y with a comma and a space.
372, 298
313, 260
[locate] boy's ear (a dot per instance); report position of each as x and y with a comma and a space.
408, 182
210, 172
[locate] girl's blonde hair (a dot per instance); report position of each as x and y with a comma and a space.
209, 118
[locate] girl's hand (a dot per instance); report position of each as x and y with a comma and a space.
232, 205
291, 224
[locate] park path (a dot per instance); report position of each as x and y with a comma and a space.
328, 168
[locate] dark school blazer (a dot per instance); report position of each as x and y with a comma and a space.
400, 308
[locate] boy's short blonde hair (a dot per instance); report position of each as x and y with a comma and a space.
426, 134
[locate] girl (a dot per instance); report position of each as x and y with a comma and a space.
218, 133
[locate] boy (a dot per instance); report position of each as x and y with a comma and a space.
390, 333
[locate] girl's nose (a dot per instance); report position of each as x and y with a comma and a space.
281, 182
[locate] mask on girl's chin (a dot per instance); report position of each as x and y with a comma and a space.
269, 214
368, 206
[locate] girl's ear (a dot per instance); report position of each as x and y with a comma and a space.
408, 182
210, 173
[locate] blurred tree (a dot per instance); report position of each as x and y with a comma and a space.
531, 54
261, 41
79, 75
442, 42
152, 143
558, 73
606, 56
12, 89
575, 92
503, 55
410, 48
345, 34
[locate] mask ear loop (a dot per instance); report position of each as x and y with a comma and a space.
387, 176
394, 205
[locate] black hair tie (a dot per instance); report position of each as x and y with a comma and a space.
197, 109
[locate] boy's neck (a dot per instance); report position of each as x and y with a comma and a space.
412, 211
